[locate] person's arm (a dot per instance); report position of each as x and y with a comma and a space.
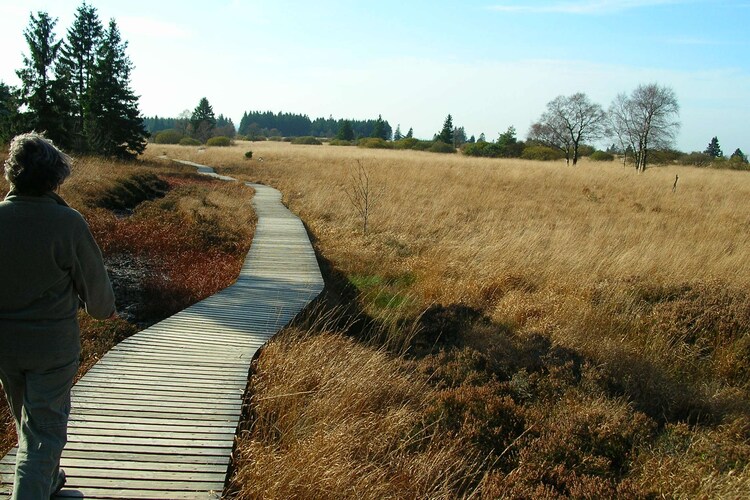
90, 276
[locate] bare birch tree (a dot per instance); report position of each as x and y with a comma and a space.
569, 122
645, 120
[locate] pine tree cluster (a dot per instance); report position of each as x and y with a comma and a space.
77, 90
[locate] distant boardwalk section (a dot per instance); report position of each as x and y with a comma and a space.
156, 417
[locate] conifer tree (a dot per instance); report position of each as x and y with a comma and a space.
714, 150
380, 129
42, 94
345, 132
77, 60
410, 133
113, 123
739, 156
397, 136
446, 135
202, 121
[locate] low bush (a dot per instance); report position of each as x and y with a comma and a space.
374, 143
340, 142
406, 143
306, 139
219, 141
734, 163
602, 156
663, 156
481, 148
249, 155
189, 141
169, 136
695, 159
542, 153
276, 138
441, 147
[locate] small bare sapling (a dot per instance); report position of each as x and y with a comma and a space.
363, 194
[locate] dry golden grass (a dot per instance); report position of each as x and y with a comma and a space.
479, 219
352, 429
618, 310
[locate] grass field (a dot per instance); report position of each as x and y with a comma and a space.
575, 331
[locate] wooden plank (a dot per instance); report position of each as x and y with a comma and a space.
131, 413
135, 484
154, 401
156, 460
127, 387
169, 442
140, 430
154, 406
232, 386
144, 450
181, 425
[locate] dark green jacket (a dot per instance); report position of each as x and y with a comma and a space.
49, 263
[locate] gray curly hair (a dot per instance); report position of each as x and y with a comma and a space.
34, 165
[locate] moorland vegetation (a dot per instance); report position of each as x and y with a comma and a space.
504, 328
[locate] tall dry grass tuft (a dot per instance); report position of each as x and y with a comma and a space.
334, 419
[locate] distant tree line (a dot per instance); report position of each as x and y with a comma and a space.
643, 123
75, 90
256, 124
198, 127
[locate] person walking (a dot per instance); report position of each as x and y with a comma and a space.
50, 266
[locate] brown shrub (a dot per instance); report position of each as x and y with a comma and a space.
484, 415
580, 448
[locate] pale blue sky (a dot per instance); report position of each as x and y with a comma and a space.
491, 64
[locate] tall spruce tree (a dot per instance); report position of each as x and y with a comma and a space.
202, 121
43, 95
77, 60
446, 135
714, 150
410, 133
113, 124
345, 132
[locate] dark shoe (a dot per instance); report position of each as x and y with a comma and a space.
60, 482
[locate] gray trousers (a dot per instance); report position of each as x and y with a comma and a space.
37, 386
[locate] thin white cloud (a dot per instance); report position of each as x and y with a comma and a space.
580, 6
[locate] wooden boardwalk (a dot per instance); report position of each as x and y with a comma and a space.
156, 416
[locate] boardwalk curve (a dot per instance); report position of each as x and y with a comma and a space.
156, 416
